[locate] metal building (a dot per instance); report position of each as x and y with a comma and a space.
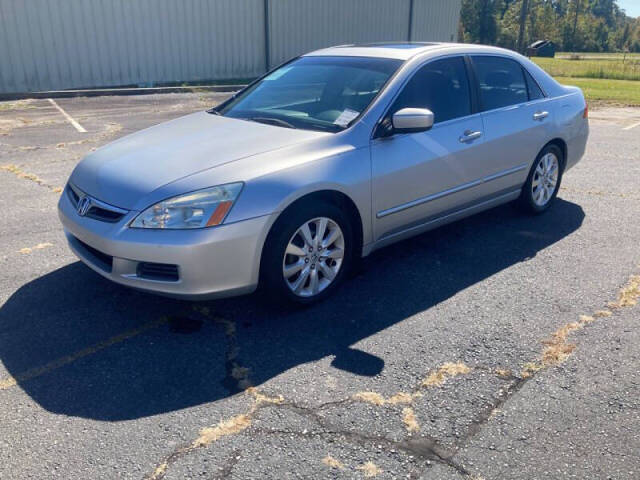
53, 44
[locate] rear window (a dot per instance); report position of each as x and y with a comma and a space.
501, 82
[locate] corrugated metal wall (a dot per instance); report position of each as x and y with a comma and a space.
436, 20
54, 44
298, 26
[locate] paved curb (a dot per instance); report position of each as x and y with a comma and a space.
118, 91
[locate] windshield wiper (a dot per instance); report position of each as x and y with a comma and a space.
272, 121
214, 111
326, 128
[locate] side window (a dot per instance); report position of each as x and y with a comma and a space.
534, 90
501, 82
441, 86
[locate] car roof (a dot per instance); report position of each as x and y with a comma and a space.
399, 50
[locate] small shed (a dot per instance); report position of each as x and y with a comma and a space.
542, 48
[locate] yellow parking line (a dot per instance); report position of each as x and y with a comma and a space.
66, 360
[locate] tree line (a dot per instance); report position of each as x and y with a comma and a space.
573, 25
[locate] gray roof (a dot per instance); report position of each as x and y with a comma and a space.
402, 50
399, 50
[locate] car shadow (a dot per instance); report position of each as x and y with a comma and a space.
82, 346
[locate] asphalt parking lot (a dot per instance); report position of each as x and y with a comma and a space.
502, 346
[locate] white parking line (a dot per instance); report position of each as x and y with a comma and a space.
77, 126
632, 126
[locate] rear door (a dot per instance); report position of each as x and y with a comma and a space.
416, 176
516, 116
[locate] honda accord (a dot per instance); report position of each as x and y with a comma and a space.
319, 162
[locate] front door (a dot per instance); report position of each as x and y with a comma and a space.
417, 176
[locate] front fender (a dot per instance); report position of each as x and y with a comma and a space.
347, 172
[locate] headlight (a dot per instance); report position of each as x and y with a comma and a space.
199, 209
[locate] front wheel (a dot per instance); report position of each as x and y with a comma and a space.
543, 182
307, 254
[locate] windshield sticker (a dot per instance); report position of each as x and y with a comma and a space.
346, 117
277, 74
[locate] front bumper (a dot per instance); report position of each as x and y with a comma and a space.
210, 263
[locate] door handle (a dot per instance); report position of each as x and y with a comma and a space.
470, 136
540, 115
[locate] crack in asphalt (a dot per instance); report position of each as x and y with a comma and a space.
228, 466
425, 448
18, 172
237, 378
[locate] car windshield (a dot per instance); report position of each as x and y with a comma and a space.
313, 93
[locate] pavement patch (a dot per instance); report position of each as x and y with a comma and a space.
503, 372
40, 246
331, 462
409, 419
370, 469
448, 370
628, 295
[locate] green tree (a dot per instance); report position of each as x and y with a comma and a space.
479, 20
574, 25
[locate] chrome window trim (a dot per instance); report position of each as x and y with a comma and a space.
450, 191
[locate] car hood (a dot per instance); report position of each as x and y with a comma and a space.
126, 170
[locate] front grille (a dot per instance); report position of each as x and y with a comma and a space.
104, 215
100, 211
98, 258
163, 272
73, 196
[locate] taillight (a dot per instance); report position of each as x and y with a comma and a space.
586, 111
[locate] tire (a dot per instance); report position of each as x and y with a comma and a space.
286, 234
541, 188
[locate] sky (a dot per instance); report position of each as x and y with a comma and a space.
631, 6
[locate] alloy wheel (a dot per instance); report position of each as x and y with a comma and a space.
545, 179
313, 257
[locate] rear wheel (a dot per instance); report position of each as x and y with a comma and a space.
543, 182
307, 253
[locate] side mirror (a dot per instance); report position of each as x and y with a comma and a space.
412, 120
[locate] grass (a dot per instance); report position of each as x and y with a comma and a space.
621, 92
614, 68
598, 55
604, 77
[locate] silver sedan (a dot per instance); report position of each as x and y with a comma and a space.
320, 162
